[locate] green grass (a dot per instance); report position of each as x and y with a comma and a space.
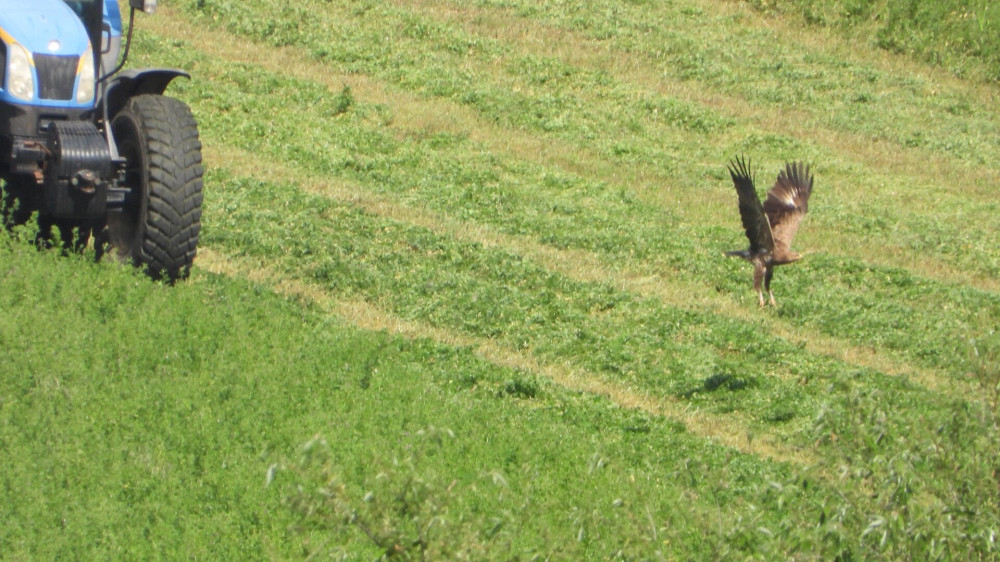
960, 36
527, 203
146, 425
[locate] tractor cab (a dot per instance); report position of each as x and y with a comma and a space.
103, 23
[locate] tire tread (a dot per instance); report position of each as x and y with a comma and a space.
173, 220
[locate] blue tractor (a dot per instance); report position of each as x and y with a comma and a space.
96, 152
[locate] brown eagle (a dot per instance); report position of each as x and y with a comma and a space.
770, 226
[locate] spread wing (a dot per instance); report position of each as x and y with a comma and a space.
751, 211
787, 203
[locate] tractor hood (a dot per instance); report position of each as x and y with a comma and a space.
47, 27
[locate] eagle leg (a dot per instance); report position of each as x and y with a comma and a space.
768, 274
758, 276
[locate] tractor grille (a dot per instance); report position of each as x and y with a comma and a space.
56, 76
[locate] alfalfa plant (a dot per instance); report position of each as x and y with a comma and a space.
405, 508
343, 101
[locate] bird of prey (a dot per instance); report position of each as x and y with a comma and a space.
770, 226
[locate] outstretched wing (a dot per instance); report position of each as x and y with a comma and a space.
787, 203
751, 211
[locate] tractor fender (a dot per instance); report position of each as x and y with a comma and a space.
134, 82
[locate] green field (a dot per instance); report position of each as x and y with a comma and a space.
461, 294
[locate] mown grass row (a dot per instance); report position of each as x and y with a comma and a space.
455, 176
636, 124
728, 50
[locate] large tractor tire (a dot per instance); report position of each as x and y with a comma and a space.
157, 228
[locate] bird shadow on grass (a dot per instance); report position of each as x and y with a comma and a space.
716, 382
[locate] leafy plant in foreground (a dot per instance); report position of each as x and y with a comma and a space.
911, 510
405, 509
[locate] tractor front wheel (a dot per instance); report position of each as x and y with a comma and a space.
157, 227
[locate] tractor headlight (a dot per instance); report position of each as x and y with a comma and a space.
88, 77
20, 73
